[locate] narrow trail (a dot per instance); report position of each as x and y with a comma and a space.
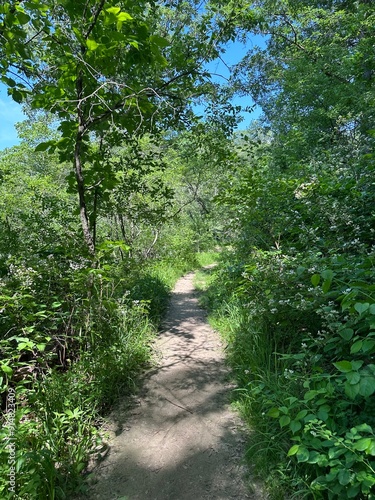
179, 440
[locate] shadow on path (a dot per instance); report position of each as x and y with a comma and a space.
179, 440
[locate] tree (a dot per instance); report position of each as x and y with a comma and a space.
36, 213
61, 64
315, 78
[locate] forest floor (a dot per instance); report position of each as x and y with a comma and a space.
178, 439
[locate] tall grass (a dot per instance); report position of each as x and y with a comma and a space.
302, 355
59, 413
251, 353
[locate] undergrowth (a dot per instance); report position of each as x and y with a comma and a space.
81, 348
301, 344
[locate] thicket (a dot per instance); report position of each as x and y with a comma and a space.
83, 285
295, 295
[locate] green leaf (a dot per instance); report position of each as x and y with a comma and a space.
124, 16
344, 477
356, 365
363, 444
17, 96
8, 81
322, 415
314, 457
91, 44
302, 454
43, 146
315, 279
22, 17
326, 285
113, 10
371, 448
295, 426
159, 41
7, 369
335, 452
353, 377
327, 274
300, 270
293, 450
301, 414
368, 345
366, 386
363, 428
23, 345
361, 307
346, 333
273, 412
356, 347
284, 420
351, 390
309, 395
353, 491
343, 366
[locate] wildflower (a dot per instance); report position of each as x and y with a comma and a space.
288, 373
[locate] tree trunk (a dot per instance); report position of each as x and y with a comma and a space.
82, 193
89, 240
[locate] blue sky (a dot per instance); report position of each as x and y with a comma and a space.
11, 112
234, 52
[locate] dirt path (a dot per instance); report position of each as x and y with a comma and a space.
179, 440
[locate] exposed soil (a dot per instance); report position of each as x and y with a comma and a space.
179, 439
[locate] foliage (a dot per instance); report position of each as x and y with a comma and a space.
68, 322
300, 340
295, 297
98, 347
292, 198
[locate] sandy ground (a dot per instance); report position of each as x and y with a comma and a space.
179, 439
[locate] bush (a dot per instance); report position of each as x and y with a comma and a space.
301, 342
90, 328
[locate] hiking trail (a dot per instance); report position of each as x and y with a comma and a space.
179, 438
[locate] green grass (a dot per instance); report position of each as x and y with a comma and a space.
250, 353
207, 258
61, 413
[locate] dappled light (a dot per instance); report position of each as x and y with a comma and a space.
179, 439
137, 163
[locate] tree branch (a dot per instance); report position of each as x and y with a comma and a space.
95, 19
